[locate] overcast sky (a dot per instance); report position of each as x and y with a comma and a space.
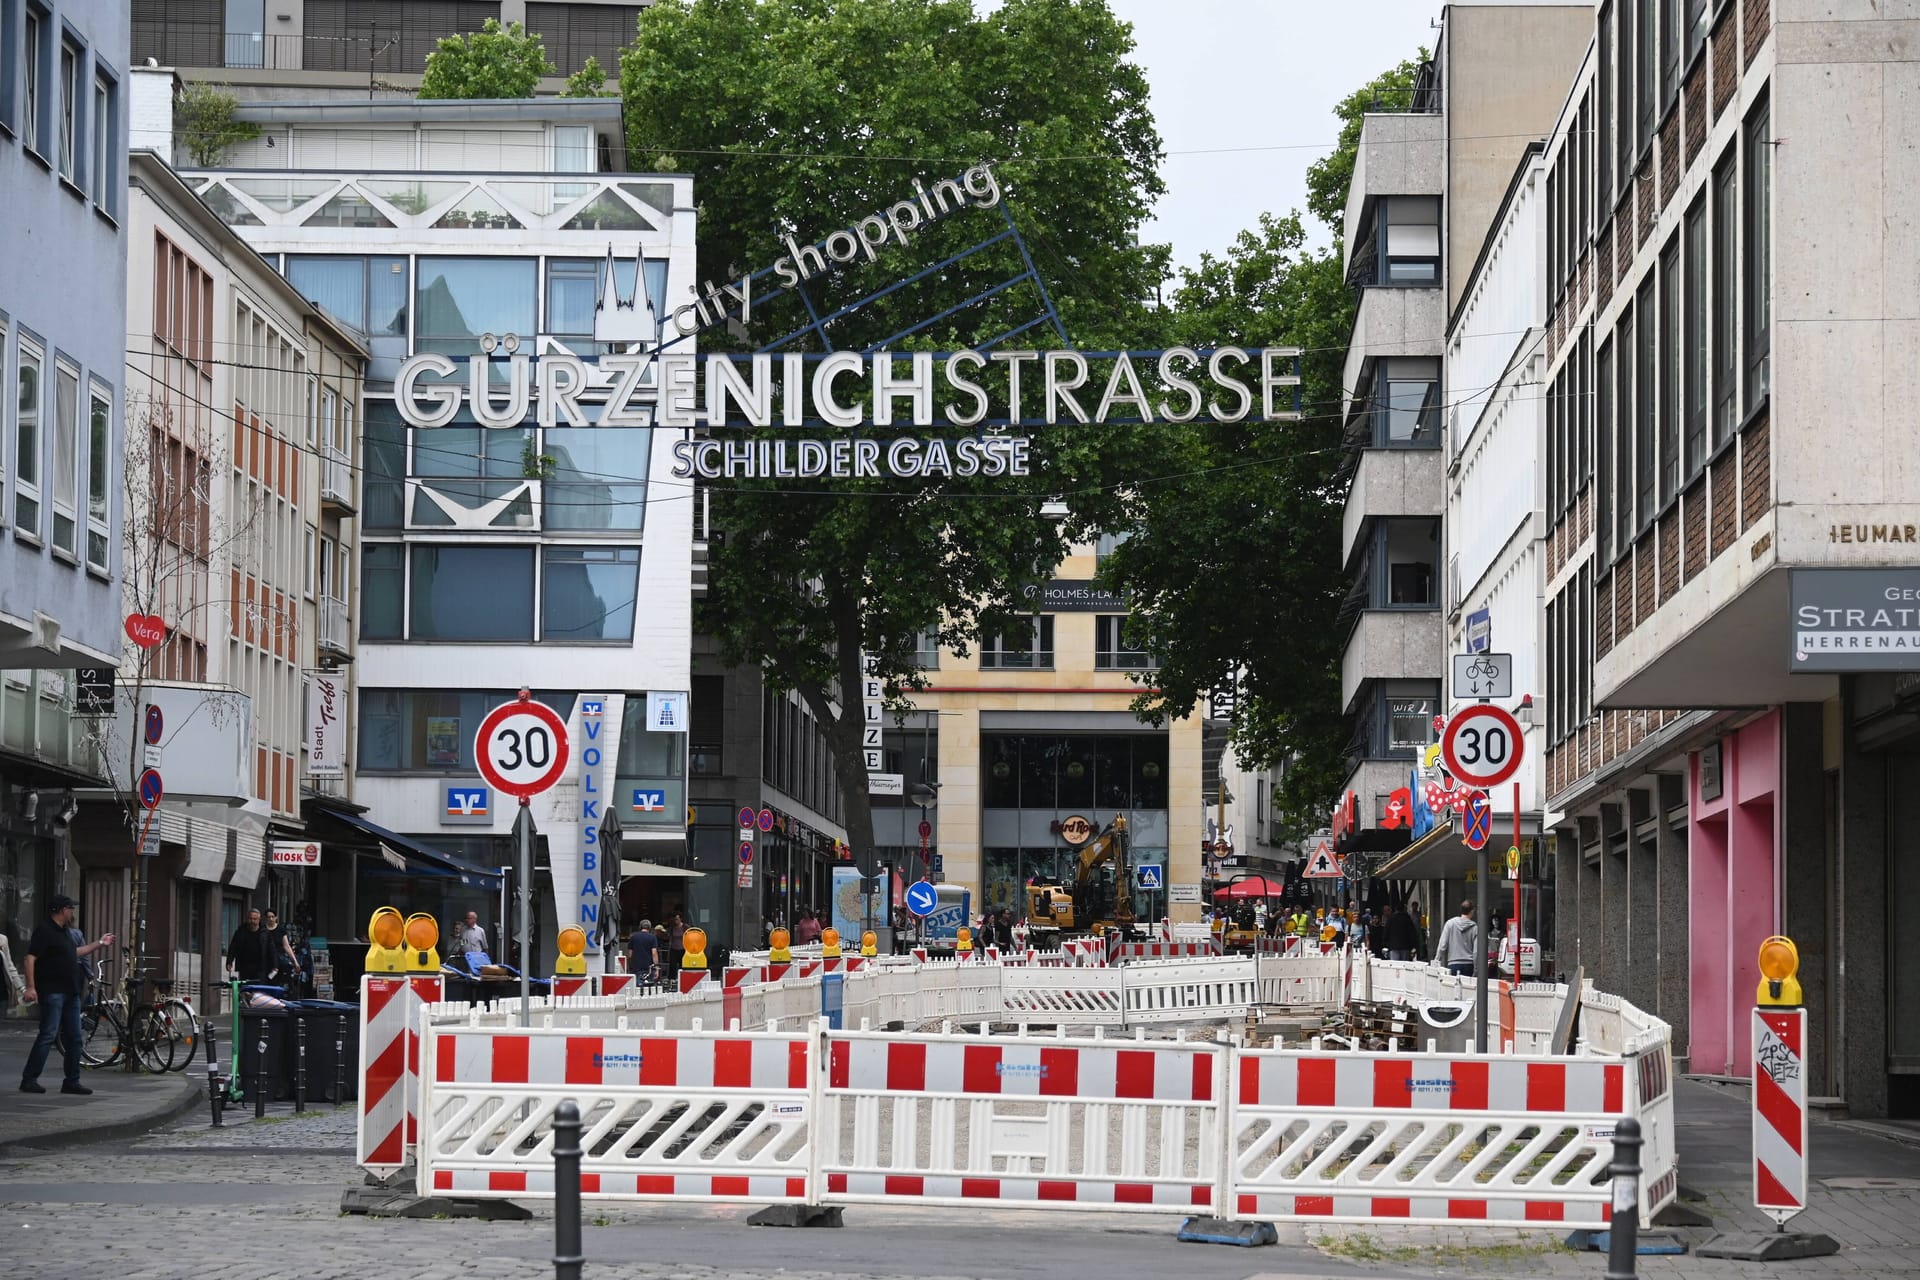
1255, 73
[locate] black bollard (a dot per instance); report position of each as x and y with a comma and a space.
1623, 1232
216, 1084
339, 1061
299, 1065
260, 1076
567, 1258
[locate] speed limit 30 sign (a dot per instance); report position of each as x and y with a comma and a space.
1483, 745
521, 747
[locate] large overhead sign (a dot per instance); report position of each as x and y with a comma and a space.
981, 396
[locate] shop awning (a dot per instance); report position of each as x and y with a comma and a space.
631, 868
417, 859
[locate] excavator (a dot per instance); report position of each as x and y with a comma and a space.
1057, 911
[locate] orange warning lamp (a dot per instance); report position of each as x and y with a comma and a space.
386, 934
695, 941
780, 946
963, 941
571, 962
423, 936
1779, 962
869, 944
830, 942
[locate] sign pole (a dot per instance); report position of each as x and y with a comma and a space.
1513, 926
1480, 910
523, 837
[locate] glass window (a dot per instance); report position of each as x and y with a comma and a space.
1028, 647
1694, 305
1603, 426
458, 299
382, 484
1410, 550
70, 109
1409, 403
34, 63
1757, 277
246, 33
575, 288
1726, 395
1643, 405
597, 478
367, 294
1668, 458
66, 456
1670, 41
106, 132
472, 452
926, 650
573, 148
383, 589
1410, 235
470, 592
431, 730
99, 474
26, 458
1623, 436
1111, 650
588, 593
1410, 723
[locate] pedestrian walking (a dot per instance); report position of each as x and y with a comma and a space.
677, 942
643, 954
473, 935
1458, 938
279, 947
250, 951
54, 981
1398, 934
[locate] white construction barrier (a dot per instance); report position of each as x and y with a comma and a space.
392, 1010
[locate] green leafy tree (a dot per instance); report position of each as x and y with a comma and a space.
1233, 571
797, 119
203, 120
590, 81
493, 62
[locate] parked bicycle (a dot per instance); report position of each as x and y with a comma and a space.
159, 1035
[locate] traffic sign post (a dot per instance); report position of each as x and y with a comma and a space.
1148, 875
921, 898
1324, 864
1483, 745
151, 789
521, 748
1478, 825
1483, 675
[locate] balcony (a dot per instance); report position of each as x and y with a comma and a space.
335, 630
1399, 155
1387, 483
336, 481
1392, 644
1392, 322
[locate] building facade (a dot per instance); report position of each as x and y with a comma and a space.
504, 555
63, 276
1428, 184
1736, 520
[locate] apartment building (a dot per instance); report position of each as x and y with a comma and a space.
63, 287
300, 49
491, 557
1428, 184
1734, 543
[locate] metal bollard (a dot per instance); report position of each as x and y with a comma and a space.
299, 1065
339, 1061
1623, 1231
567, 1257
216, 1083
260, 1076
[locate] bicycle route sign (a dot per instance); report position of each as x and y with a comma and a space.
521, 747
1483, 745
1482, 675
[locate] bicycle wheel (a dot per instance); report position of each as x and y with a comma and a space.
152, 1045
100, 1036
183, 1027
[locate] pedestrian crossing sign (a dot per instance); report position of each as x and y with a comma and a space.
1324, 864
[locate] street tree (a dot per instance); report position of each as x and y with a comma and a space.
1232, 571
799, 118
493, 62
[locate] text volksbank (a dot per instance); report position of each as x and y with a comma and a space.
1230, 384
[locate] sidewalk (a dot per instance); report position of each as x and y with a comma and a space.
122, 1105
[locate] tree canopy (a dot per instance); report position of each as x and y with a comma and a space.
1233, 571
493, 62
796, 119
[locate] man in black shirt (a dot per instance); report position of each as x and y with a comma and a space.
250, 953
54, 981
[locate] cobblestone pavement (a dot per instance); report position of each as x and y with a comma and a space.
261, 1199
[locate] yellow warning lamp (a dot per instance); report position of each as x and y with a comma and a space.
963, 941
386, 934
829, 942
869, 944
780, 946
695, 941
572, 961
423, 937
1779, 962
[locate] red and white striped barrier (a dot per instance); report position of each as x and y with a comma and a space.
1779, 1111
391, 1007
1162, 950
597, 984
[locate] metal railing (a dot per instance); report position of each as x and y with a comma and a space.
334, 626
336, 478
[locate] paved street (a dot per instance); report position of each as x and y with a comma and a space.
123, 1104
260, 1199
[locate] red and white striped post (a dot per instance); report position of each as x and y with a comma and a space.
1779, 1085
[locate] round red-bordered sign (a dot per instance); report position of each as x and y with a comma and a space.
521, 748
1483, 745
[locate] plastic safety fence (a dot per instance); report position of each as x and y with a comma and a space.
1427, 1138
685, 1116
392, 1012
1652, 1066
959, 1120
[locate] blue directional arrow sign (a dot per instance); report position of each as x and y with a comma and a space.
1479, 824
1148, 876
921, 899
